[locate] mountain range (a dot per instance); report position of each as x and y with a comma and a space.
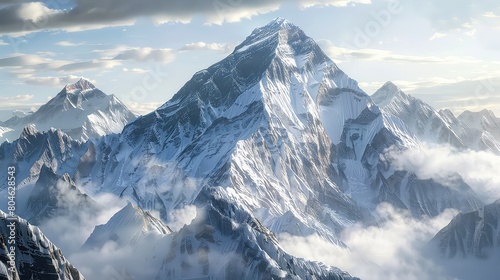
274, 139
80, 110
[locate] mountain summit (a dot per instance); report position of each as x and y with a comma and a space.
81, 110
81, 85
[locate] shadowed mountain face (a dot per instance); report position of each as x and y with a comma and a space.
35, 256
473, 234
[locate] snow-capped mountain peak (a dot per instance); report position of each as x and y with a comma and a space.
383, 96
82, 85
80, 109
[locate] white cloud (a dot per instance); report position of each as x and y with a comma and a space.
490, 15
23, 60
147, 54
69, 44
345, 54
53, 81
17, 101
17, 98
221, 47
86, 65
134, 70
70, 228
391, 250
437, 35
35, 12
3, 43
479, 169
181, 217
143, 108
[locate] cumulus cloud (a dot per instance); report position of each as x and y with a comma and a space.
442, 163
394, 249
53, 81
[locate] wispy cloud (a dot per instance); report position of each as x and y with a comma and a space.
345, 54
87, 65
53, 81
17, 98
143, 108
134, 70
18, 101
147, 54
23, 60
69, 44
221, 47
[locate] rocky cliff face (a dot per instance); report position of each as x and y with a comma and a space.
35, 256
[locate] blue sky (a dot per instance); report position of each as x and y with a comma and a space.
445, 52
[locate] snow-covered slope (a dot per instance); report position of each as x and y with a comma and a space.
473, 234
474, 130
35, 256
483, 128
80, 109
423, 120
366, 136
249, 124
125, 227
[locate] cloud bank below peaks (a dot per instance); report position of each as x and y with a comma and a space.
443, 163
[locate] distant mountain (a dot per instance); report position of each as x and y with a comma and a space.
80, 109
474, 130
35, 257
423, 120
473, 234
483, 128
